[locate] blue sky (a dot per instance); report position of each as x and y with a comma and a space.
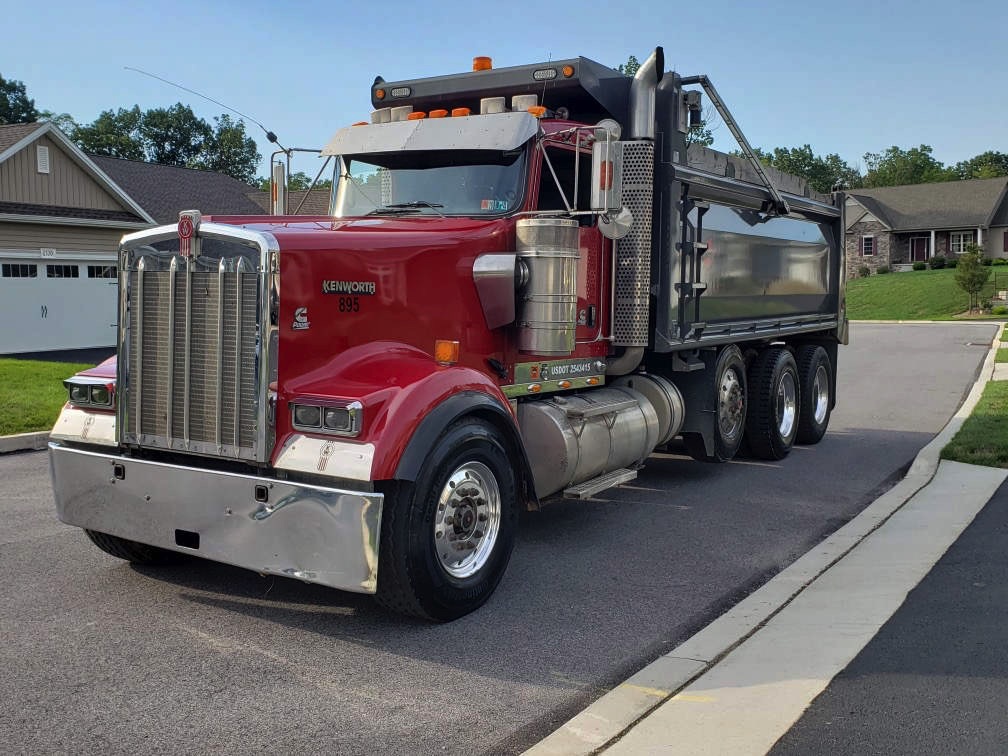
843, 77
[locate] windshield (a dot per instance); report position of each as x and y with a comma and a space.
445, 182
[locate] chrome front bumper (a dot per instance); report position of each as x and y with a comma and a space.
312, 533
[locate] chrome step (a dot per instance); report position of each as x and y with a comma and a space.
591, 487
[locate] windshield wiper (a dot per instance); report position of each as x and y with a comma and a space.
405, 207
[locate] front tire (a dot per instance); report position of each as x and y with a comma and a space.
772, 419
446, 540
131, 551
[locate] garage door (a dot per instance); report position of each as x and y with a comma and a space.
57, 304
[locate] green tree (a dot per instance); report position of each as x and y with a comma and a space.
113, 133
630, 67
229, 150
896, 167
821, 172
971, 274
62, 121
172, 136
15, 104
296, 181
988, 164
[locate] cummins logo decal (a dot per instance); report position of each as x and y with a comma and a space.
348, 287
301, 319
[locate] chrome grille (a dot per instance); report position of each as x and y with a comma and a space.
193, 329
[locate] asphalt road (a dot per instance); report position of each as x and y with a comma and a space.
99, 655
933, 679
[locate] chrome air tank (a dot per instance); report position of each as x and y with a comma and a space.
577, 437
548, 248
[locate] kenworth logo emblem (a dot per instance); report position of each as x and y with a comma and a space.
348, 287
188, 225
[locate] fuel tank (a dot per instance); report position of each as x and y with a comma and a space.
576, 437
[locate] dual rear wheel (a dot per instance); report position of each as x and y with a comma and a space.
781, 399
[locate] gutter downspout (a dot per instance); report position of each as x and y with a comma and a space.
642, 126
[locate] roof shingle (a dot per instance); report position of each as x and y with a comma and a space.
166, 190
12, 133
945, 205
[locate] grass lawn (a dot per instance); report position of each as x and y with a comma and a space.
1002, 355
32, 393
915, 295
983, 438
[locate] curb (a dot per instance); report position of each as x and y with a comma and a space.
618, 711
24, 442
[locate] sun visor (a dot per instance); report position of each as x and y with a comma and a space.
502, 131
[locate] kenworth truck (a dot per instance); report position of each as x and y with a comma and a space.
527, 283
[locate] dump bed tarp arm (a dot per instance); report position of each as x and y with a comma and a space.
780, 205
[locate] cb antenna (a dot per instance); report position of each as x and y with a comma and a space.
269, 134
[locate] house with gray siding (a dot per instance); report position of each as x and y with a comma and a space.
62, 214
897, 226
61, 218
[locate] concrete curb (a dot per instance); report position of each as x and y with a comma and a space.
611, 716
24, 442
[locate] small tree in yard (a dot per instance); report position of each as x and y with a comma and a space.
971, 275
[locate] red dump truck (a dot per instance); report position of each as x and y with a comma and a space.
527, 283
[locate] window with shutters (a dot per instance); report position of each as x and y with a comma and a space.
959, 240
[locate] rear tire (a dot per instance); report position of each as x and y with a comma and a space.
729, 396
815, 381
446, 540
772, 419
131, 551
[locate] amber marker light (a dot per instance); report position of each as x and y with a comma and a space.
360, 123
538, 111
567, 71
438, 113
416, 115
446, 352
564, 384
592, 381
534, 388
482, 63
379, 94
457, 112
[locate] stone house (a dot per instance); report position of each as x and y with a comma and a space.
897, 226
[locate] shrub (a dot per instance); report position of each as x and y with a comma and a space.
882, 269
999, 261
951, 262
999, 310
987, 261
863, 271
920, 265
937, 262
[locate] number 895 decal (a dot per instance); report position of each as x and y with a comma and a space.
349, 304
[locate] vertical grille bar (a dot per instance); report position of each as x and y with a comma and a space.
239, 276
172, 275
138, 307
221, 269
188, 351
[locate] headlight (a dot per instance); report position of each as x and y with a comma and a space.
84, 392
338, 420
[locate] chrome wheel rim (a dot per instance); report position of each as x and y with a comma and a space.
787, 404
467, 521
820, 392
731, 405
